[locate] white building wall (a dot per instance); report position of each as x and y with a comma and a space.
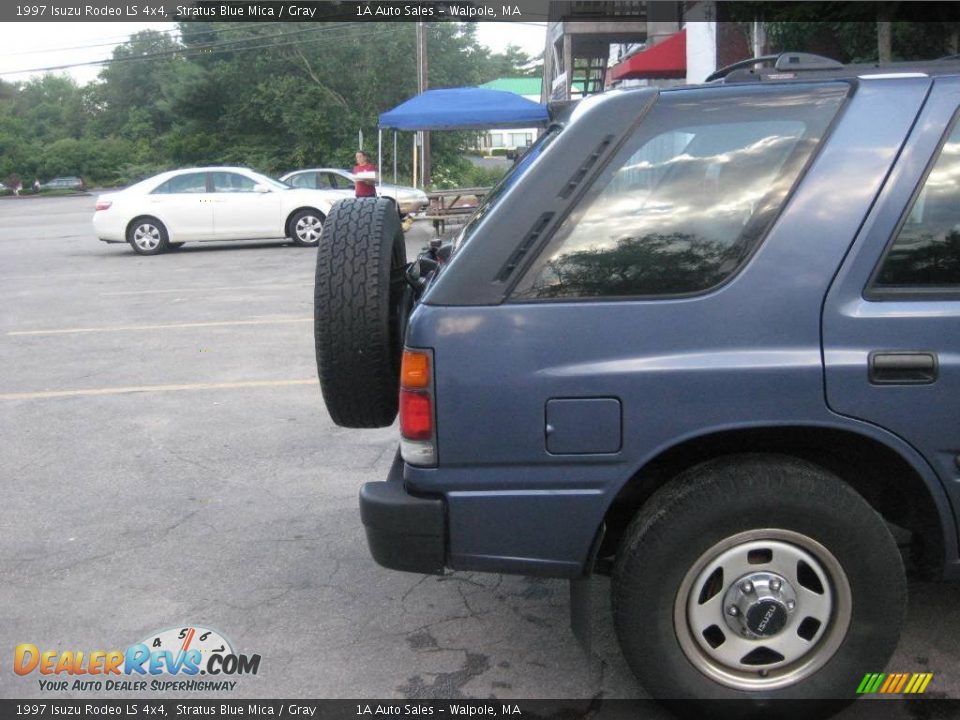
504, 134
701, 50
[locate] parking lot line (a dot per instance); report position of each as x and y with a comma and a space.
171, 326
47, 394
63, 276
206, 289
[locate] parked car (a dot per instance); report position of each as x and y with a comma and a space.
705, 340
517, 152
209, 203
409, 199
64, 183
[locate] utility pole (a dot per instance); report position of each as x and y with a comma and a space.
884, 41
422, 85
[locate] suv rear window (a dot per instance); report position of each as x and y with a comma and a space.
689, 197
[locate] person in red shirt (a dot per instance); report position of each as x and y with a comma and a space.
364, 188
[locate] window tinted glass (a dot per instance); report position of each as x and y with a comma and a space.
926, 252
327, 181
232, 182
688, 198
303, 180
189, 183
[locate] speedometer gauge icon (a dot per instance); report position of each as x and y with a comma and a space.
181, 640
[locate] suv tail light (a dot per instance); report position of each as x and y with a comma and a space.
418, 436
103, 205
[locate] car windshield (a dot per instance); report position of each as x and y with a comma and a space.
512, 177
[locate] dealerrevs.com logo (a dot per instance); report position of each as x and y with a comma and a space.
184, 653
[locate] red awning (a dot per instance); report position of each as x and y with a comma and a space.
667, 59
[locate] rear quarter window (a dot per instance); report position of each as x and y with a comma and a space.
688, 198
925, 253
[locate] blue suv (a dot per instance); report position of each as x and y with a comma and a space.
705, 340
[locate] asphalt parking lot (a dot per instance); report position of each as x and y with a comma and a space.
167, 461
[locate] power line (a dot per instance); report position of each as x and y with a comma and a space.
187, 51
109, 41
232, 46
338, 40
114, 40
315, 41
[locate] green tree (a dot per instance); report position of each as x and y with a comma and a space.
130, 95
275, 96
52, 107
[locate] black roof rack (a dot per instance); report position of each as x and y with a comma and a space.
799, 65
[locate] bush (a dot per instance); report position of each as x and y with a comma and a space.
462, 173
499, 152
444, 178
93, 159
484, 177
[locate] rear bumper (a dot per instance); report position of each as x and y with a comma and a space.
404, 532
107, 228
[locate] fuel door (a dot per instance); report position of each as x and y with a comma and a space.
583, 426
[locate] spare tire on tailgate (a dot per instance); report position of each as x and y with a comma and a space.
358, 311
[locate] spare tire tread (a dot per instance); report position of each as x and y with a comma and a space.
355, 331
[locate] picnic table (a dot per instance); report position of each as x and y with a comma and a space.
453, 206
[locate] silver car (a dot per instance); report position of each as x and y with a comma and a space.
410, 199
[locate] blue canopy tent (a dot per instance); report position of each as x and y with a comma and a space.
466, 108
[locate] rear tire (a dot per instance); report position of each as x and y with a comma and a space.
803, 537
306, 227
147, 236
359, 312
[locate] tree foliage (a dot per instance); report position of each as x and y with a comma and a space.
273, 96
857, 42
849, 31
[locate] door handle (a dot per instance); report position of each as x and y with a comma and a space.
903, 368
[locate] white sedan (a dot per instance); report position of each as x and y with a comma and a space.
209, 203
340, 182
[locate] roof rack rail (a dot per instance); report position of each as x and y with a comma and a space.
800, 65
783, 61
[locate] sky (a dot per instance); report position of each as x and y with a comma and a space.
25, 45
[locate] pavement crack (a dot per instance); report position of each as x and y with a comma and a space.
473, 613
413, 587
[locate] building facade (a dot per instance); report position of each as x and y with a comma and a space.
593, 46
504, 141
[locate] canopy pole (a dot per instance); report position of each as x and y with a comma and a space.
379, 157
394, 157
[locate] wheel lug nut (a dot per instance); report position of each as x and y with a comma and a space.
775, 585
732, 610
747, 587
791, 604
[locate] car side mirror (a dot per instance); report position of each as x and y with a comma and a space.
261, 188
